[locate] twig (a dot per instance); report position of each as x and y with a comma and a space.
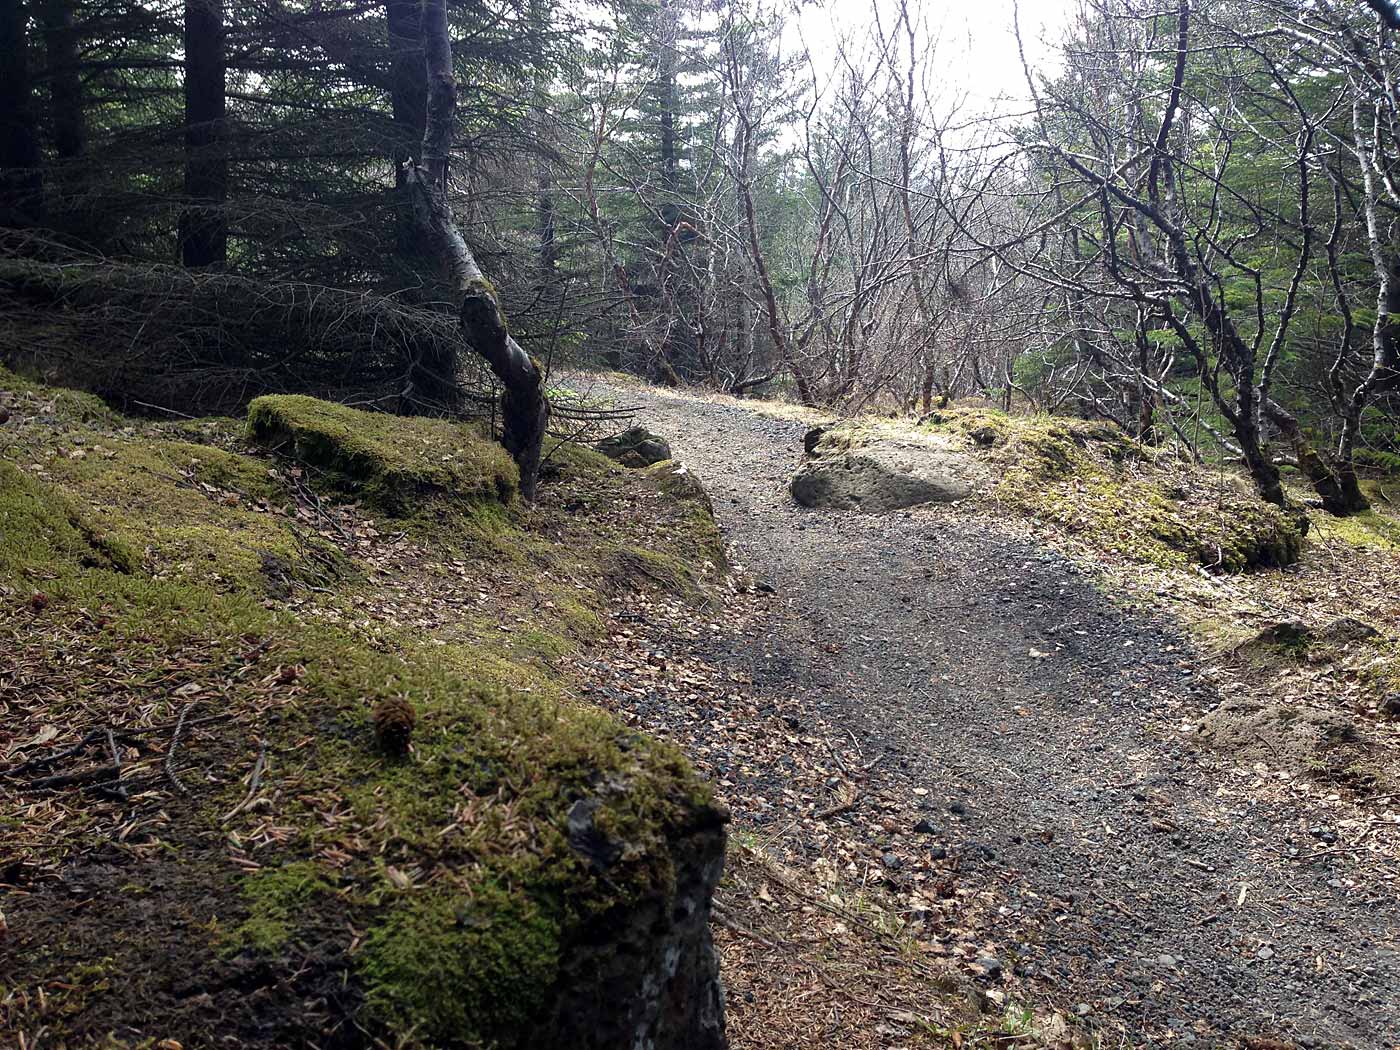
169, 764
70, 779
844, 807
253, 782
723, 918
161, 408
1380, 798
838, 758
1116, 905
163, 726
57, 756
93, 736
119, 790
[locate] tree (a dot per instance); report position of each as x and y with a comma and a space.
203, 227
525, 408
20, 176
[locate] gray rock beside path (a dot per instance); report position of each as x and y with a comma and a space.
874, 474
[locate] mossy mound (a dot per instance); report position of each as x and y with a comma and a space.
442, 898
1091, 479
20, 394
391, 463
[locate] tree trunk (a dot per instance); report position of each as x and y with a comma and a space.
203, 231
545, 224
65, 85
408, 97
745, 129
20, 179
525, 410
1335, 483
666, 88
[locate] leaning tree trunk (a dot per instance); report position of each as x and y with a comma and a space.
1334, 482
525, 410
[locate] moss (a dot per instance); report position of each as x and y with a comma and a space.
276, 898
191, 512
393, 464
461, 968
1371, 529
635, 568
43, 531
33, 398
1378, 459
1380, 670
695, 523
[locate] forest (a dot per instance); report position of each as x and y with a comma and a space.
1188, 233
1007, 592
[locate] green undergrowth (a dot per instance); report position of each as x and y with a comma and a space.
1092, 480
454, 865
1376, 529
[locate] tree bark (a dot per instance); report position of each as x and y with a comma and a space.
203, 230
1334, 482
408, 97
65, 85
666, 88
525, 409
20, 179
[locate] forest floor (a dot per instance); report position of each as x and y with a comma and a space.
955, 745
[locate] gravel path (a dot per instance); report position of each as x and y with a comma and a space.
1136, 888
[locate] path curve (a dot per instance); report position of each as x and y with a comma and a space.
1055, 778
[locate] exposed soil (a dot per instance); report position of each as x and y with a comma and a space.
962, 675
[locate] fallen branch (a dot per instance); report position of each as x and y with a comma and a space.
844, 807
108, 773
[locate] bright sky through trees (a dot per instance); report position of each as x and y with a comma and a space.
975, 39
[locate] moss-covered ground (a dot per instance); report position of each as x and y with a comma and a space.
235, 859
1091, 480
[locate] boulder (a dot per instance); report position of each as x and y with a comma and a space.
872, 473
643, 973
635, 447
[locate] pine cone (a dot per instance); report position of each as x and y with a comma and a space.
393, 725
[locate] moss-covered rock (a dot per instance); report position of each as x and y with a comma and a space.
693, 523
635, 447
393, 464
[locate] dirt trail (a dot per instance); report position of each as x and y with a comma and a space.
1040, 721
